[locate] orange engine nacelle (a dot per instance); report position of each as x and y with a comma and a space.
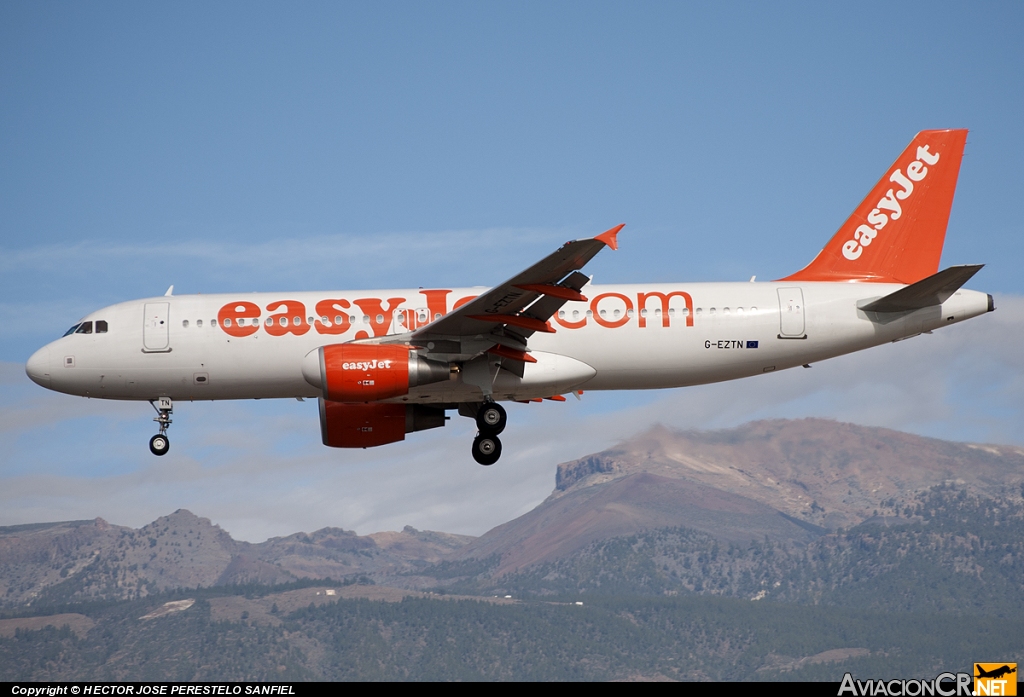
369, 372
367, 425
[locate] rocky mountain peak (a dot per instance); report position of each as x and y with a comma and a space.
822, 471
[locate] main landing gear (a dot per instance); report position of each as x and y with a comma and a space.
160, 444
491, 420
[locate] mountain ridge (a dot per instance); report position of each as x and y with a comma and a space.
95, 559
789, 482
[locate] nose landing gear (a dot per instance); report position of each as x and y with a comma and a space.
160, 443
490, 419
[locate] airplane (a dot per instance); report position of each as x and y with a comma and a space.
386, 363
995, 672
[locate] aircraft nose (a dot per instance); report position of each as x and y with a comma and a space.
38, 367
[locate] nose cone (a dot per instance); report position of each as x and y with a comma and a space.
38, 367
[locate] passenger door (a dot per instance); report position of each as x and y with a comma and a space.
791, 309
156, 327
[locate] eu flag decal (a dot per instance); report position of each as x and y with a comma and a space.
751, 344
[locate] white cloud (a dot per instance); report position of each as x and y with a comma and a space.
342, 255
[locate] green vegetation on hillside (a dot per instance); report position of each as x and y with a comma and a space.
437, 639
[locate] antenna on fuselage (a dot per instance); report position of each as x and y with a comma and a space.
170, 291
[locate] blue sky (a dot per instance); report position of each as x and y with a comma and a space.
257, 146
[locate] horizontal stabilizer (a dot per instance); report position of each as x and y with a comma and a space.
934, 290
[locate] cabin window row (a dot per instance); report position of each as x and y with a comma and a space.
725, 310
575, 314
423, 315
295, 321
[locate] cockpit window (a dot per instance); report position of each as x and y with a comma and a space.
86, 328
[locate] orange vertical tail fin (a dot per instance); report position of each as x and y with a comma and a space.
896, 234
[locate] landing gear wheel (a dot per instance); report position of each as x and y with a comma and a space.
491, 418
486, 449
159, 444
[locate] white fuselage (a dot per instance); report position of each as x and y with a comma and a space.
624, 337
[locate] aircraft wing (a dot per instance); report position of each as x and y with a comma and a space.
524, 303
511, 312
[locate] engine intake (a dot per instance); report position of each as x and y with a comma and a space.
369, 372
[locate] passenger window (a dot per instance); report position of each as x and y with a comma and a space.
337, 319
184, 323
101, 326
199, 322
84, 328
